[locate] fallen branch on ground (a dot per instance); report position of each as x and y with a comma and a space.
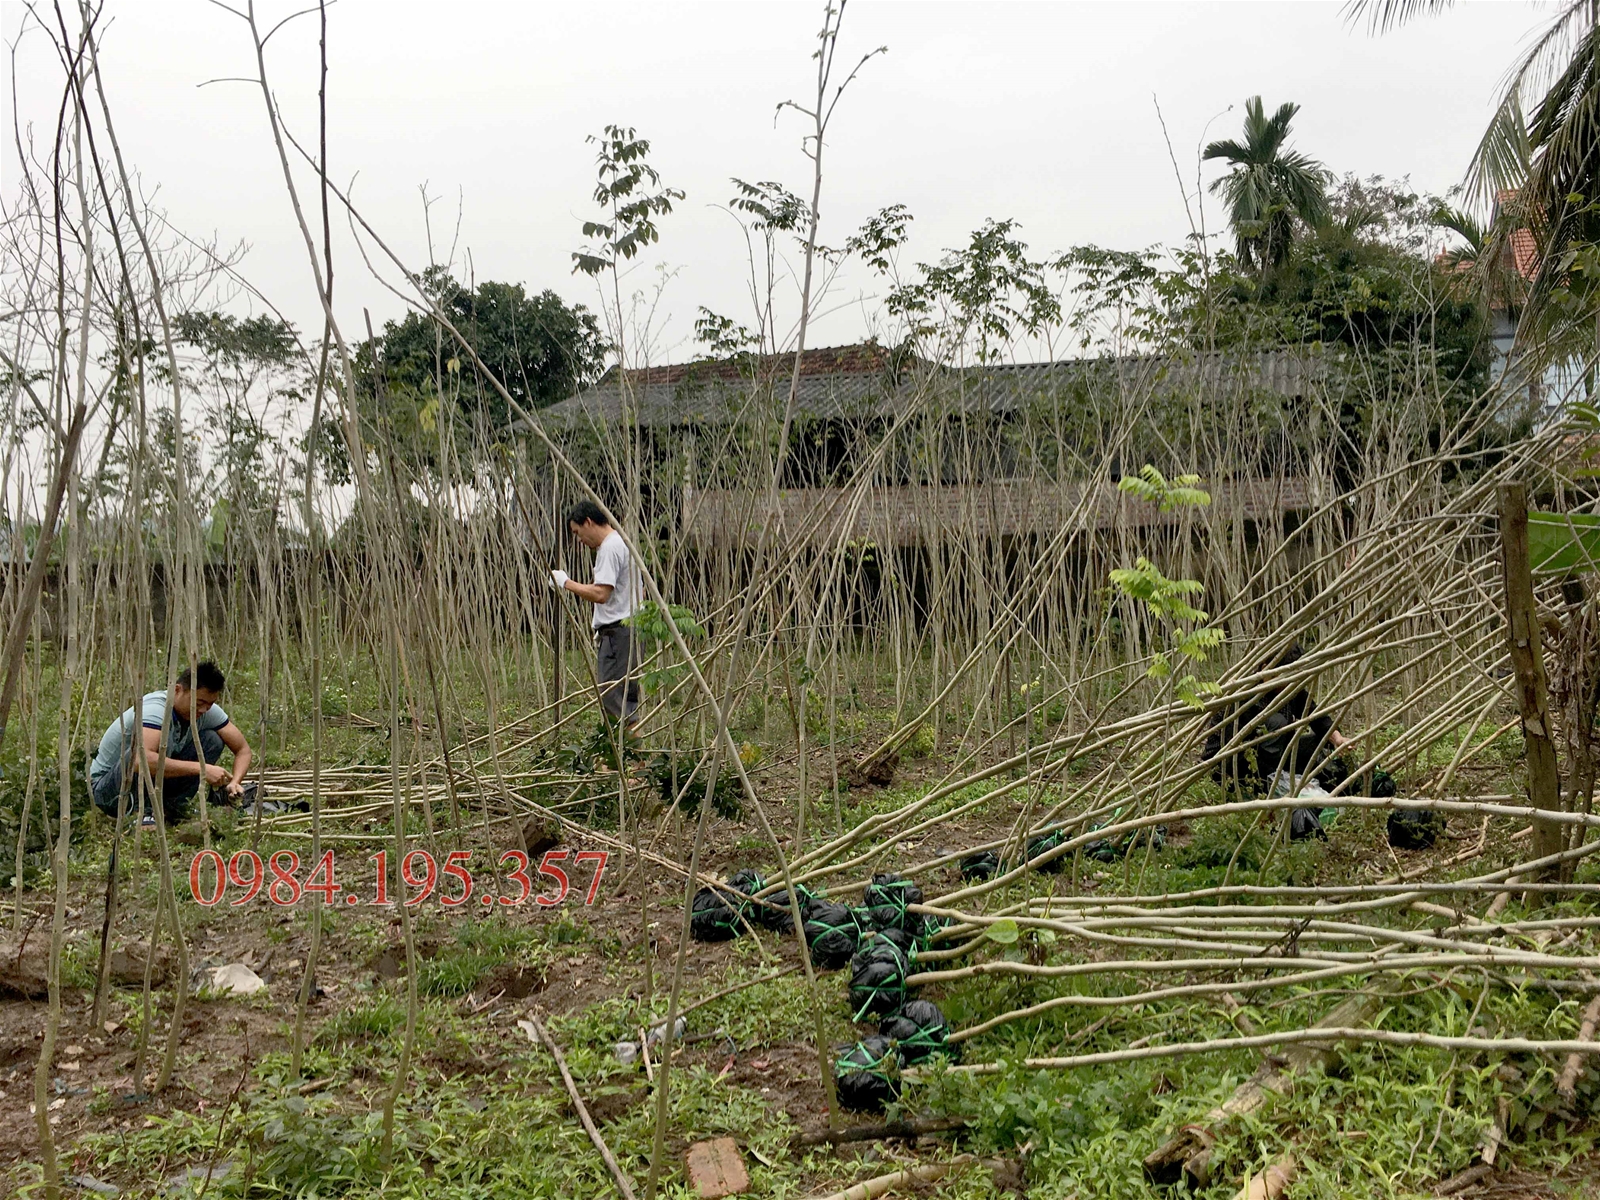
537, 1033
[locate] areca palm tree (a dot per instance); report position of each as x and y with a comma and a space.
1270, 187
1469, 230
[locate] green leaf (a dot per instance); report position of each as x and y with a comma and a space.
1004, 932
1562, 543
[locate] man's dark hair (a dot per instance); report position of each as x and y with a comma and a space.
207, 674
585, 511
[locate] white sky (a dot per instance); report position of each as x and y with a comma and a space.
1041, 112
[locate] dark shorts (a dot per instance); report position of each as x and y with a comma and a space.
176, 792
618, 670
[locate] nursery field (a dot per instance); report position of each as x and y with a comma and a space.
485, 1110
1127, 727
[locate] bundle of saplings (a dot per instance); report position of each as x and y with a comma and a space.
885, 900
866, 1075
1042, 845
985, 864
712, 917
832, 934
1410, 829
878, 974
918, 1030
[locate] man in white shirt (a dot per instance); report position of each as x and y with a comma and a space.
614, 594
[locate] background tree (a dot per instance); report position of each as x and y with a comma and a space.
1540, 177
1270, 186
250, 373
411, 381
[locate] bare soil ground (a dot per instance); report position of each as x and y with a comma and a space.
594, 964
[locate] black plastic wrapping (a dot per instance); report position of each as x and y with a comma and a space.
1412, 830
985, 864
885, 900
832, 933
918, 1030
1043, 844
712, 918
866, 1075
1306, 823
878, 974
772, 912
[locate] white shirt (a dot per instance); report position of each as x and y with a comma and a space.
613, 565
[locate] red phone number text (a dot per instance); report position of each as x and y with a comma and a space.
210, 877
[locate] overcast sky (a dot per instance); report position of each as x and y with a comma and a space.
1040, 112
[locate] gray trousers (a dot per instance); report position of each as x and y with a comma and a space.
176, 790
618, 668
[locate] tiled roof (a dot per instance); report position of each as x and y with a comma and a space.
1525, 253
865, 383
1524, 247
865, 358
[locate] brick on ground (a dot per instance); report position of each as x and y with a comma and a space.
716, 1168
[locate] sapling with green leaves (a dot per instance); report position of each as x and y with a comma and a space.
1188, 635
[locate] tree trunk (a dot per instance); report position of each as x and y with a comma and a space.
1527, 661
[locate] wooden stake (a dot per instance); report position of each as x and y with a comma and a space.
1527, 661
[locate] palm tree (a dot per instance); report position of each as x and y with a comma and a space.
1543, 174
1464, 226
1269, 187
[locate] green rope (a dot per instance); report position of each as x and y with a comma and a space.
867, 1065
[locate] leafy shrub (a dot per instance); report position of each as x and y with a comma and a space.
727, 795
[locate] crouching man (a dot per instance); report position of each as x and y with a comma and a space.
199, 732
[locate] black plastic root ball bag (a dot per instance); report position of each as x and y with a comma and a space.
1413, 830
878, 975
985, 864
919, 1031
866, 1075
747, 883
884, 903
931, 928
712, 918
832, 933
1045, 843
1383, 785
1154, 835
1305, 823
1333, 772
773, 912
